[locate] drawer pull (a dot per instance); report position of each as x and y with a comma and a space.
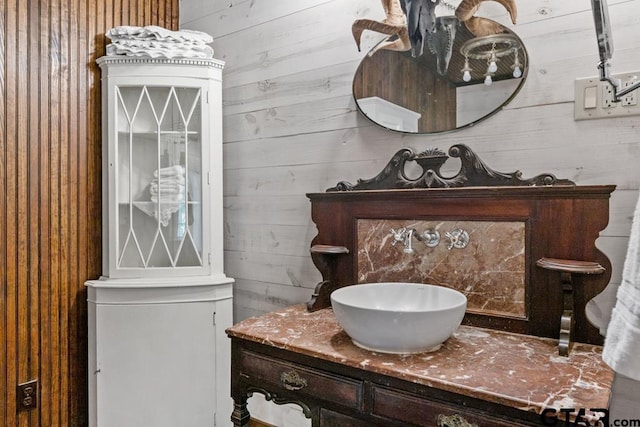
292, 381
453, 421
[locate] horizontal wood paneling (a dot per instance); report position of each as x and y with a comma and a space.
50, 163
291, 125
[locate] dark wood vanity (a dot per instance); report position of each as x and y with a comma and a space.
480, 376
529, 265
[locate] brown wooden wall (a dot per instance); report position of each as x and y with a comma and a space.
50, 202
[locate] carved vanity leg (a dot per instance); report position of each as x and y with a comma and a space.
240, 416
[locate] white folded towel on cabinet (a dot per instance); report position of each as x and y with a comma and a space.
157, 42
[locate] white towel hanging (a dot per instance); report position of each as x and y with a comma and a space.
622, 344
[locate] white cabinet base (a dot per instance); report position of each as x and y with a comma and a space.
158, 352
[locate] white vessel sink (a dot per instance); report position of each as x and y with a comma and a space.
398, 317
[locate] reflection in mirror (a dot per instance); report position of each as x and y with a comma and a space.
452, 89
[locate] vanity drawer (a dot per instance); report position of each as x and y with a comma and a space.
424, 412
300, 379
334, 419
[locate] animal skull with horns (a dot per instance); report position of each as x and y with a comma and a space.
412, 22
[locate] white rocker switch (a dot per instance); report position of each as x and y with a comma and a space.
590, 97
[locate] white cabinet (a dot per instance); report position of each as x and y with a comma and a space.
162, 146
158, 353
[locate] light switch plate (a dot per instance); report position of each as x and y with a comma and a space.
585, 108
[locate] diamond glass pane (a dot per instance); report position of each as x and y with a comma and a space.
159, 256
131, 255
188, 254
159, 177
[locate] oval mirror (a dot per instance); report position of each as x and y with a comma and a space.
442, 89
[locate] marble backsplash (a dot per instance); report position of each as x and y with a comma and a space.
490, 270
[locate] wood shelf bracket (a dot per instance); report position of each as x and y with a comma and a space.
567, 269
324, 256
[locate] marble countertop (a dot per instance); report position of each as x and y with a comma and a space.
515, 370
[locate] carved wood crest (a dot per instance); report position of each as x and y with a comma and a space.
473, 173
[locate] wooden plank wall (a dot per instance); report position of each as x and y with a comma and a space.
50, 138
291, 125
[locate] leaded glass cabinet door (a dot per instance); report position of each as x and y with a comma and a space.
159, 172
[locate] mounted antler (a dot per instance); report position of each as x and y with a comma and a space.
395, 24
481, 27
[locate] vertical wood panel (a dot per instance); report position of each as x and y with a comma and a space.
53, 309
78, 328
11, 212
117, 12
33, 27
44, 144
4, 335
133, 10
22, 230
50, 175
64, 208
161, 13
